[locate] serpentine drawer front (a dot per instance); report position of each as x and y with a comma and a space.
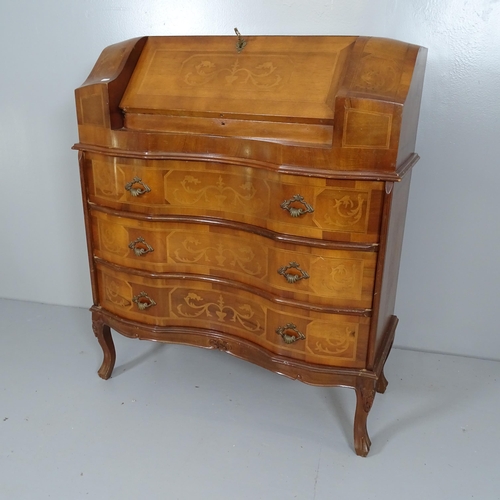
344, 210
329, 339
326, 276
248, 194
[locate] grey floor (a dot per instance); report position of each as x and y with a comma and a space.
183, 423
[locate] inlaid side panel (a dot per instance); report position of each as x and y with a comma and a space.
327, 339
367, 129
334, 210
334, 278
90, 107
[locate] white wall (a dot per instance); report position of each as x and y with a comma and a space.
450, 274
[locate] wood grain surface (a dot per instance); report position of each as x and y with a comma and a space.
251, 198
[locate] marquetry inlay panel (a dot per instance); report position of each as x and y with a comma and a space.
254, 82
210, 306
117, 293
342, 210
255, 73
377, 128
248, 194
217, 191
238, 253
113, 238
376, 74
338, 278
330, 339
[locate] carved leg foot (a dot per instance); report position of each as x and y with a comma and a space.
381, 383
103, 334
365, 393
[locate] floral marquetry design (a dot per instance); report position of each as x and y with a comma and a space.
345, 211
194, 250
105, 180
337, 341
219, 193
115, 295
248, 195
196, 306
343, 277
257, 74
113, 238
376, 74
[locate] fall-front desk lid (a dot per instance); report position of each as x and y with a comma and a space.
326, 92
291, 78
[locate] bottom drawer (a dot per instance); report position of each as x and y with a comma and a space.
301, 334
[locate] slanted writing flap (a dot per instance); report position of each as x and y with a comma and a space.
339, 103
284, 79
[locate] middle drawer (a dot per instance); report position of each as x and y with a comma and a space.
322, 276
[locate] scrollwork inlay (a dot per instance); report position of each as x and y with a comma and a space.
263, 76
218, 194
241, 257
345, 211
109, 239
342, 277
223, 312
104, 179
337, 342
113, 290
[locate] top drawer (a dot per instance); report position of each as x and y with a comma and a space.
337, 210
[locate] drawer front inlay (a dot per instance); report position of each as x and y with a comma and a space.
222, 251
336, 278
217, 191
328, 339
336, 210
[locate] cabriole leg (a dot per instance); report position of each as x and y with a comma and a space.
365, 394
381, 383
103, 334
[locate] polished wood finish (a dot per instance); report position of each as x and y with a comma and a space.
344, 210
252, 201
333, 336
344, 278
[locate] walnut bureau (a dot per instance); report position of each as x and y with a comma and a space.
248, 194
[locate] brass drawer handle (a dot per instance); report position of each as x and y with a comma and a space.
140, 247
292, 277
297, 211
290, 339
137, 191
143, 301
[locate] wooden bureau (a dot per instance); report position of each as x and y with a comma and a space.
248, 194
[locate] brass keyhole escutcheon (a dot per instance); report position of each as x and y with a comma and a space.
240, 44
